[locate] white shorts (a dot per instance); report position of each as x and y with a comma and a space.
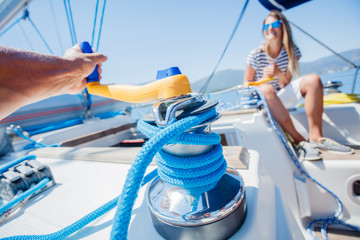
291, 94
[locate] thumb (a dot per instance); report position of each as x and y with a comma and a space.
97, 57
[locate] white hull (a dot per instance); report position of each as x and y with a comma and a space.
280, 201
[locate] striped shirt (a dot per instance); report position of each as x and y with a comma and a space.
258, 59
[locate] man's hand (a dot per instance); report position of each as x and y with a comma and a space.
82, 65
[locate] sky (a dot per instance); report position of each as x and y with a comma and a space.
140, 37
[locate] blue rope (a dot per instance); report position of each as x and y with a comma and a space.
106, 115
72, 21
40, 35
134, 181
92, 41
327, 220
24, 16
67, 231
204, 87
185, 138
9, 27
141, 162
101, 23
34, 144
94, 26
27, 194
52, 126
56, 26
15, 162
89, 99
73, 41
26, 37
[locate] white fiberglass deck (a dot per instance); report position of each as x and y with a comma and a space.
82, 186
89, 177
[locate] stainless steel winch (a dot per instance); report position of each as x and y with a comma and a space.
175, 211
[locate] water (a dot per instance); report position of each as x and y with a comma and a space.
227, 100
346, 77
230, 100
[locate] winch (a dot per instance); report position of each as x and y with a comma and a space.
181, 213
195, 194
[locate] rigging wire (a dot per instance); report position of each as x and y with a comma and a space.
85, 97
100, 26
70, 22
56, 26
353, 65
24, 17
101, 23
85, 92
12, 25
26, 37
94, 26
204, 87
40, 35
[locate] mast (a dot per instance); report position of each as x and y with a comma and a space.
9, 9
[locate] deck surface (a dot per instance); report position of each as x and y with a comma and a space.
326, 155
336, 234
236, 156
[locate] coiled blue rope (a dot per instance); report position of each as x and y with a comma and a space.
135, 179
197, 173
327, 220
141, 162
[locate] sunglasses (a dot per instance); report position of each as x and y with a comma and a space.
273, 25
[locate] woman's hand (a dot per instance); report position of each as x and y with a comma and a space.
269, 71
272, 70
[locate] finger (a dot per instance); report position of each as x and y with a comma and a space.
97, 57
77, 47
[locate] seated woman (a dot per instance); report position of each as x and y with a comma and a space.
278, 58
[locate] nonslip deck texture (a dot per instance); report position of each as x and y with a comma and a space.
236, 156
337, 234
326, 155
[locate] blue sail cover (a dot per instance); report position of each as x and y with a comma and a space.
281, 5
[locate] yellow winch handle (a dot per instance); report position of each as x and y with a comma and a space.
164, 88
259, 82
170, 85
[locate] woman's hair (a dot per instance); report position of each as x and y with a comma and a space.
288, 42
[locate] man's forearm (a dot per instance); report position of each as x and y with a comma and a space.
27, 77
22, 77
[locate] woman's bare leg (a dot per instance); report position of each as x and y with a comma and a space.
280, 113
312, 89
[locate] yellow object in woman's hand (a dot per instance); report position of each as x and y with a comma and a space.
259, 82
